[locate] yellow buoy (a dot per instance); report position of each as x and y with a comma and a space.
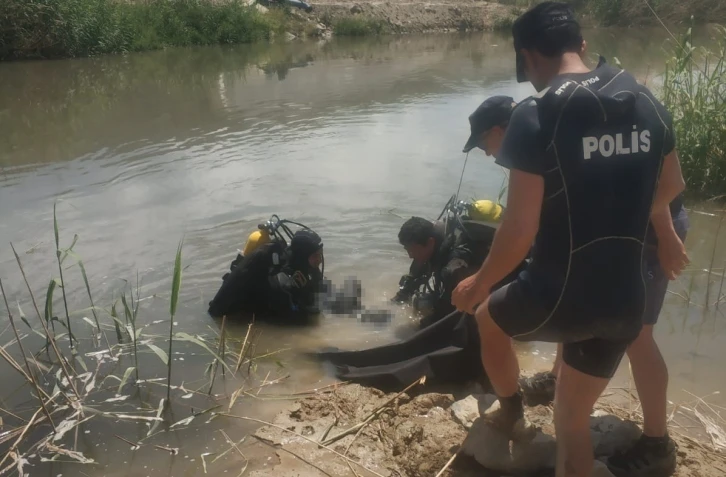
485, 210
256, 238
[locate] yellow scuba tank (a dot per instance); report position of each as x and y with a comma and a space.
485, 211
256, 238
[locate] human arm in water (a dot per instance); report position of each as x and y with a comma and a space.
512, 241
671, 251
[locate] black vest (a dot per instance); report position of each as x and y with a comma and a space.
603, 140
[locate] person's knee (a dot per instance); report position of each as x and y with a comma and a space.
488, 329
645, 342
575, 395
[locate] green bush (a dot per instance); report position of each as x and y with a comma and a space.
358, 26
68, 28
694, 91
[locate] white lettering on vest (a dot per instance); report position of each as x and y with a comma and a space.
589, 144
591, 81
562, 88
634, 139
608, 145
619, 149
645, 139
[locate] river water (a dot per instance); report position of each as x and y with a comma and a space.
349, 137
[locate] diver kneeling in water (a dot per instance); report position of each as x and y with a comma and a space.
271, 279
442, 258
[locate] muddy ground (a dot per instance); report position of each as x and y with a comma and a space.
417, 437
401, 16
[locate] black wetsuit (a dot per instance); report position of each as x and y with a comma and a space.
456, 257
268, 283
598, 140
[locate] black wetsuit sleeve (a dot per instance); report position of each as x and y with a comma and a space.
459, 266
521, 148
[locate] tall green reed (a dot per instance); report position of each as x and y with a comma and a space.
59, 256
694, 92
50, 337
175, 287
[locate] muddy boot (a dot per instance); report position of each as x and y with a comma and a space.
648, 457
507, 416
539, 390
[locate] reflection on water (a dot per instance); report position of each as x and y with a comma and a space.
349, 137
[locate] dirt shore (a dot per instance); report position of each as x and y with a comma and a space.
403, 16
368, 433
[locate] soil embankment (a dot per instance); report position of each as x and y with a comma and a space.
355, 430
405, 16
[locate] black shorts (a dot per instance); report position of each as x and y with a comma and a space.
517, 311
656, 283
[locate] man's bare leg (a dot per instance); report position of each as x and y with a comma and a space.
557, 365
497, 354
651, 381
654, 454
574, 399
502, 367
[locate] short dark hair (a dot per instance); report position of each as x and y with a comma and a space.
416, 230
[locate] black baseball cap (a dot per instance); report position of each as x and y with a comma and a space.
550, 28
495, 111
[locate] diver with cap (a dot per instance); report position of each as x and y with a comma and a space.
271, 279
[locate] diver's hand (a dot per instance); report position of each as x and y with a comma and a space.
469, 293
672, 255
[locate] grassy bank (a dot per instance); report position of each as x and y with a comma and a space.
71, 28
357, 26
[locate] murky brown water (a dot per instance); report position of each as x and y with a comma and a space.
346, 136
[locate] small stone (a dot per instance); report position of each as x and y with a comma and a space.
289, 36
356, 9
261, 8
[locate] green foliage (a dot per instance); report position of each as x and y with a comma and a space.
694, 90
69, 28
606, 12
358, 26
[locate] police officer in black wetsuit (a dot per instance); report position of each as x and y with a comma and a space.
274, 281
592, 164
